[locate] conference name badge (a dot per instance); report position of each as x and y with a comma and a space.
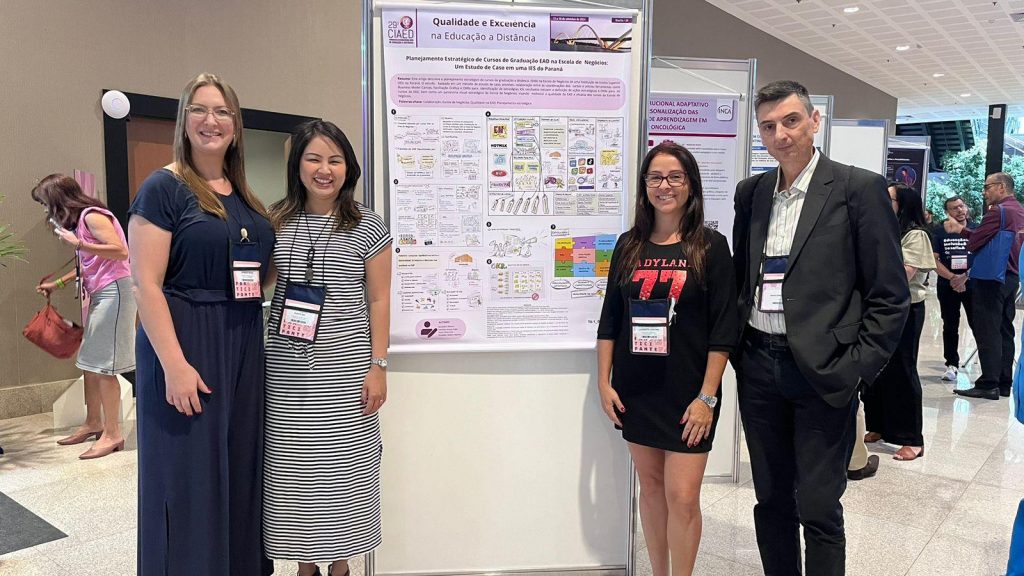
649, 321
300, 315
958, 263
245, 271
772, 276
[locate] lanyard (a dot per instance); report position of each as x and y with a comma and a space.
231, 216
311, 251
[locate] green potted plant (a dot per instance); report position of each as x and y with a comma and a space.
10, 247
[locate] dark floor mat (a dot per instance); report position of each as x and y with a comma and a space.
20, 528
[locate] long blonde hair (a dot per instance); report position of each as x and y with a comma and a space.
234, 159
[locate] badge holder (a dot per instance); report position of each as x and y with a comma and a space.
300, 315
650, 320
245, 270
773, 273
958, 263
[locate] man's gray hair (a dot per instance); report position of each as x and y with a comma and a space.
780, 90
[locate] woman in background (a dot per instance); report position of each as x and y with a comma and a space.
667, 327
326, 360
200, 244
108, 345
892, 405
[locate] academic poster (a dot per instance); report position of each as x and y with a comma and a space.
507, 136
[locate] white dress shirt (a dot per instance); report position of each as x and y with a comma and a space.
786, 207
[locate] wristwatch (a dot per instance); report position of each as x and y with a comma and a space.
711, 401
382, 362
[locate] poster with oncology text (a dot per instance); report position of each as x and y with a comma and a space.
708, 127
507, 139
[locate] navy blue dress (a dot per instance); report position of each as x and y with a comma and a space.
200, 492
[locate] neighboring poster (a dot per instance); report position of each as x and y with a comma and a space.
707, 126
507, 142
909, 166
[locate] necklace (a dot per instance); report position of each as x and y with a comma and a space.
311, 252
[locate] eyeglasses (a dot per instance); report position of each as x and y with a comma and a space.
986, 186
219, 114
675, 180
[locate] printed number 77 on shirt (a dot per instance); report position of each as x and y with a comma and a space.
650, 277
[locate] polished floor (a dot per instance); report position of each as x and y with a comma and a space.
947, 513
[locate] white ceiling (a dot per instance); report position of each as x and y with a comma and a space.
973, 42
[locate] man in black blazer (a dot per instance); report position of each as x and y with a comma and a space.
823, 298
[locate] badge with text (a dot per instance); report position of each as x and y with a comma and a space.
300, 315
245, 271
649, 321
773, 273
958, 262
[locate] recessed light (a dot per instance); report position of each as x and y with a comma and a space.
938, 75
903, 47
965, 95
851, 9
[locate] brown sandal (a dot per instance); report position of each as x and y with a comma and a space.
906, 453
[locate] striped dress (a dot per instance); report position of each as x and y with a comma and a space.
322, 456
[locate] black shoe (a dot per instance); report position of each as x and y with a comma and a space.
1004, 392
867, 471
975, 392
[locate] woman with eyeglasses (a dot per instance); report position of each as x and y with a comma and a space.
108, 345
200, 246
667, 327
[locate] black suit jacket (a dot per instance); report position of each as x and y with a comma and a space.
845, 292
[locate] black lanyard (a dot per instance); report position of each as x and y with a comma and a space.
311, 251
232, 217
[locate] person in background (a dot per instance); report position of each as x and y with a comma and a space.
326, 360
108, 345
667, 327
200, 244
952, 260
991, 300
892, 405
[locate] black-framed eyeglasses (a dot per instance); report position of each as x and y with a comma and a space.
199, 112
675, 180
986, 186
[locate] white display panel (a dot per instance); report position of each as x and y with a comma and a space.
861, 143
498, 461
706, 79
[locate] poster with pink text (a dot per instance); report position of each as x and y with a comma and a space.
507, 138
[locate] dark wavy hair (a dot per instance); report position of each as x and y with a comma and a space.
695, 237
64, 199
909, 208
294, 202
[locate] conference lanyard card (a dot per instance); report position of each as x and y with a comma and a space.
773, 273
300, 315
958, 263
245, 271
649, 321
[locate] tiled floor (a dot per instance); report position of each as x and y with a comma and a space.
947, 513
950, 512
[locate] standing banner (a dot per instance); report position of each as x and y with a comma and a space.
907, 164
707, 126
506, 146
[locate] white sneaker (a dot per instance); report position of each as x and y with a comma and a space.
950, 374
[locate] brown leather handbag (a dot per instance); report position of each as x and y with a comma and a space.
52, 332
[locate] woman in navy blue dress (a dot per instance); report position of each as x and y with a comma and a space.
200, 244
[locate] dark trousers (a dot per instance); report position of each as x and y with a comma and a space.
799, 449
892, 404
950, 302
993, 329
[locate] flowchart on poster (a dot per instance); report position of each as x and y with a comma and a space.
507, 172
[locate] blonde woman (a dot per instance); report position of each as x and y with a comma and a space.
200, 245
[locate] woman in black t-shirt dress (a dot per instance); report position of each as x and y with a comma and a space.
667, 327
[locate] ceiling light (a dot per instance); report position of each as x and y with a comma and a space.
903, 47
851, 9
965, 95
938, 75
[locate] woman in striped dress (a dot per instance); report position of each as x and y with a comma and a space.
326, 360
